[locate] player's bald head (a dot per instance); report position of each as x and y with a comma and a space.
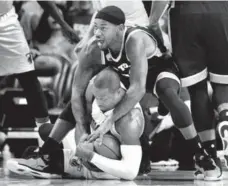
107, 78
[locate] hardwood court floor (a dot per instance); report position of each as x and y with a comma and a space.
155, 178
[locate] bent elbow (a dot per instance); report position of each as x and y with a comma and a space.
130, 175
141, 92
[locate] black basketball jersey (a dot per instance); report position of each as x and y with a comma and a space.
201, 7
121, 63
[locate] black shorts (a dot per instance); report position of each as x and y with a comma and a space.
158, 69
200, 41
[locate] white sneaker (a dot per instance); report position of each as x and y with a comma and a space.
222, 129
33, 167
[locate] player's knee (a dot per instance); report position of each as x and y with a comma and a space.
184, 94
135, 115
133, 121
45, 130
167, 87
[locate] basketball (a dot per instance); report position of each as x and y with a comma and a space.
110, 147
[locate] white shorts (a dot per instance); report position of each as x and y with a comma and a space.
15, 54
80, 171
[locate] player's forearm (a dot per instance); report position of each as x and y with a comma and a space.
78, 97
54, 12
131, 98
158, 8
127, 168
79, 113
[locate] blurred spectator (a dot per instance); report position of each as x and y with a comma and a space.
134, 10
43, 32
30, 13
79, 15
48, 38
50, 48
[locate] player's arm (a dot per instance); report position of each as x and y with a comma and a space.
130, 128
51, 8
136, 53
78, 97
87, 67
89, 98
157, 10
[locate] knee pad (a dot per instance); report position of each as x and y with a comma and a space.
45, 130
166, 85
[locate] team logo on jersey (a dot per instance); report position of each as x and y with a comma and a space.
123, 66
29, 57
108, 57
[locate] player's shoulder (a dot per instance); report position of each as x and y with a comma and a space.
138, 37
131, 123
134, 34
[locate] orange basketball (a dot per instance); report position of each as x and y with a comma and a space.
110, 147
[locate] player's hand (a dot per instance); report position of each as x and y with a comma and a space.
83, 138
85, 150
35, 53
101, 130
87, 49
75, 161
71, 34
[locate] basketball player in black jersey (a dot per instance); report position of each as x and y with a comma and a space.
200, 43
136, 55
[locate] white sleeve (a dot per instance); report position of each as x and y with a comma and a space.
126, 168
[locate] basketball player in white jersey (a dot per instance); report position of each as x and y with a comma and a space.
16, 59
102, 95
134, 10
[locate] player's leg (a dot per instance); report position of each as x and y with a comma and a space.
203, 114
16, 59
34, 157
218, 73
168, 88
35, 96
190, 56
63, 125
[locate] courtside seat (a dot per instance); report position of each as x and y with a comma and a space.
64, 91
17, 120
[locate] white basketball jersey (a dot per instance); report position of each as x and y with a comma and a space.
133, 9
5, 6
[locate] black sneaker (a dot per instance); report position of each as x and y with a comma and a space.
198, 175
208, 167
